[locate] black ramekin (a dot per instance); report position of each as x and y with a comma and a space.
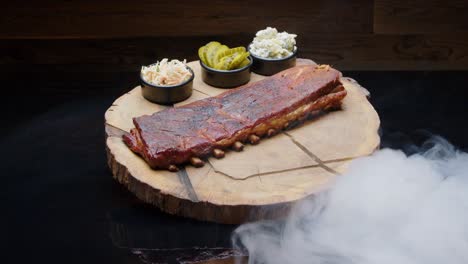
226, 79
167, 94
265, 66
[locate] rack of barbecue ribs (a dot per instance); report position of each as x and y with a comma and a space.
189, 133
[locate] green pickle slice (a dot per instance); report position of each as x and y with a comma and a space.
230, 52
224, 62
211, 49
202, 54
238, 59
221, 57
221, 49
244, 63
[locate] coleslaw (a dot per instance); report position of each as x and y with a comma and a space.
166, 73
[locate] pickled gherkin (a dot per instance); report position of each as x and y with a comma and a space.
211, 49
225, 62
238, 59
230, 52
220, 51
244, 63
221, 57
202, 54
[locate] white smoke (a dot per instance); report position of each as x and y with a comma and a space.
389, 208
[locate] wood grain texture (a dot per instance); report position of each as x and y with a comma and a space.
238, 189
421, 17
115, 36
119, 18
344, 51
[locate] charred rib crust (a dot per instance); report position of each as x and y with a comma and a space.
175, 135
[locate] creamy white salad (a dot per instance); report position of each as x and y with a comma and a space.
166, 73
271, 44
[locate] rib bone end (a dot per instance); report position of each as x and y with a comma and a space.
238, 146
254, 139
271, 132
197, 162
218, 153
173, 168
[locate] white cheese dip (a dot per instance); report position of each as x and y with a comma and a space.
271, 44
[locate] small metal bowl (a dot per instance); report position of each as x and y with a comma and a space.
167, 94
265, 66
226, 79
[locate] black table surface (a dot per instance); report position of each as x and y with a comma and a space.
61, 205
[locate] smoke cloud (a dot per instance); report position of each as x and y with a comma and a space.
388, 208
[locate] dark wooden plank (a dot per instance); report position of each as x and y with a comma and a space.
421, 16
345, 51
120, 18
389, 52
127, 54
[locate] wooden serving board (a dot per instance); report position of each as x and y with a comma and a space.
261, 182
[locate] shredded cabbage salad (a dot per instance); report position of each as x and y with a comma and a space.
166, 73
269, 43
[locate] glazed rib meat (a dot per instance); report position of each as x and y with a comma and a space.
185, 134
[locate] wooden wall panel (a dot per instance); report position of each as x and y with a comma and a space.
421, 16
119, 35
390, 52
146, 18
345, 51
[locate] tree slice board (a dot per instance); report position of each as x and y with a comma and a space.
262, 181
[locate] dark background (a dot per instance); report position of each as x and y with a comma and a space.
118, 35
62, 63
